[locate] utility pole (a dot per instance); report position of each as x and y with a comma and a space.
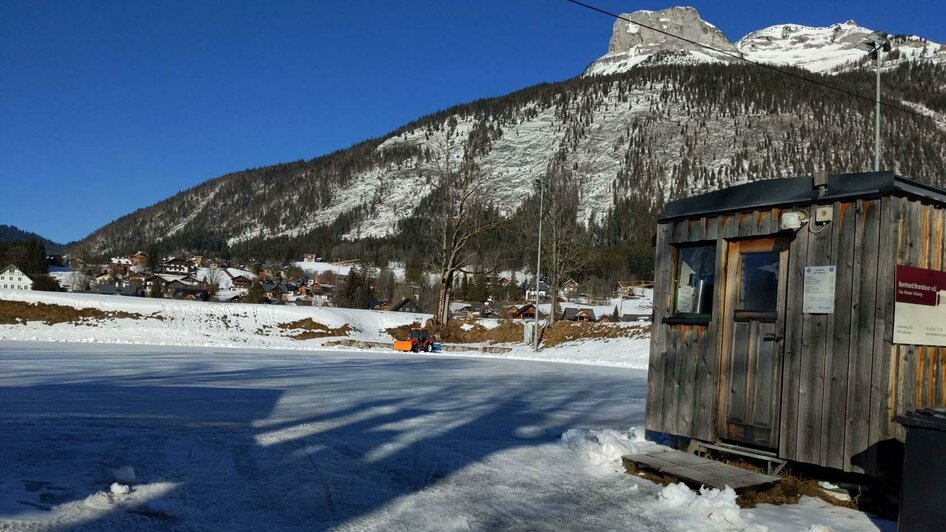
877, 118
538, 266
873, 45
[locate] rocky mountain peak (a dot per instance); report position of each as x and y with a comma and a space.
635, 42
683, 21
829, 49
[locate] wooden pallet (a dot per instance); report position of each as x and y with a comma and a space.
696, 470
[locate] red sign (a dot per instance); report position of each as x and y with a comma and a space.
919, 286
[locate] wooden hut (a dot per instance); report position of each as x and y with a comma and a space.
794, 316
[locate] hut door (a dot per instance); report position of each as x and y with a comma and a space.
752, 329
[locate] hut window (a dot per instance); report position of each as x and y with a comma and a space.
695, 276
758, 289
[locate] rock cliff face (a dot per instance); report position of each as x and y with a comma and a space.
682, 21
633, 43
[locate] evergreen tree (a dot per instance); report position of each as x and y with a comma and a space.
255, 294
155, 290
356, 291
46, 283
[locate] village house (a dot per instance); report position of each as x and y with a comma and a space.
239, 282
119, 266
139, 259
527, 312
12, 278
164, 282
174, 265
543, 292
407, 305
579, 314
570, 288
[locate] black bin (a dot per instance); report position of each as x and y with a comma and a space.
923, 493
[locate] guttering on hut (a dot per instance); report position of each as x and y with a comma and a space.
798, 316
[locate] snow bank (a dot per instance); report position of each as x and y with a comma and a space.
194, 323
718, 506
678, 507
680, 503
631, 353
640, 303
601, 447
202, 324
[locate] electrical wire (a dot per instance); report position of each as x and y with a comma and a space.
760, 64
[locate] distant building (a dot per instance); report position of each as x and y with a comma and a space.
139, 259
579, 314
543, 292
119, 265
407, 305
527, 312
12, 278
174, 265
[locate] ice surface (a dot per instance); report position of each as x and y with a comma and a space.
275, 440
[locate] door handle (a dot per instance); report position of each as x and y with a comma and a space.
771, 338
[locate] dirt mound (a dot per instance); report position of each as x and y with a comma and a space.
13, 312
472, 331
403, 331
789, 491
307, 329
570, 331
465, 331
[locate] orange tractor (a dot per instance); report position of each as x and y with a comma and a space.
419, 340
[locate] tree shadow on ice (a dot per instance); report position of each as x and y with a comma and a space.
232, 458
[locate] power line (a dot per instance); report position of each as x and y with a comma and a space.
758, 63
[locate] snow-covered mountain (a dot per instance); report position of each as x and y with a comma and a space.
671, 120
827, 49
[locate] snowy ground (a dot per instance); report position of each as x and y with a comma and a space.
210, 439
640, 303
225, 325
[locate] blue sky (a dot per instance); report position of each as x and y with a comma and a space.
110, 106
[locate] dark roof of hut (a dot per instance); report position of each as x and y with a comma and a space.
798, 191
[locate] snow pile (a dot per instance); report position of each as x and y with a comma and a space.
602, 447
119, 489
719, 506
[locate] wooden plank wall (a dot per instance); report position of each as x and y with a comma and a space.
683, 367
843, 380
917, 373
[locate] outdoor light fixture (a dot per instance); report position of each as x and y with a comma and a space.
792, 221
873, 45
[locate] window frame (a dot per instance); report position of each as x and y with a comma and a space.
675, 278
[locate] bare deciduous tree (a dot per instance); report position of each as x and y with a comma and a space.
566, 242
459, 215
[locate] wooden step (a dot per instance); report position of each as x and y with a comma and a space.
696, 470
